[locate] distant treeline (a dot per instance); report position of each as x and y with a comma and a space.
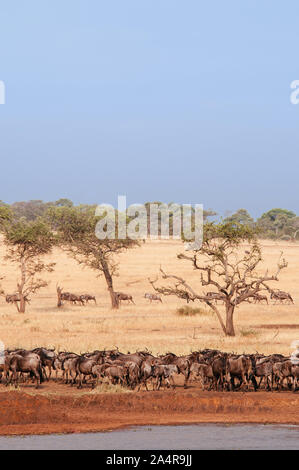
275, 224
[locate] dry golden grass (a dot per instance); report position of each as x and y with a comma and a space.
154, 326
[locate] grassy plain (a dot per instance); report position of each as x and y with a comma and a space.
158, 327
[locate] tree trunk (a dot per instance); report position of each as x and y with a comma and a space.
114, 299
108, 278
22, 304
21, 285
59, 292
218, 315
229, 328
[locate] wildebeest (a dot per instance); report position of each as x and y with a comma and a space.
258, 298
47, 357
282, 371
242, 368
280, 296
30, 363
152, 297
166, 372
215, 369
182, 362
121, 296
86, 298
114, 373
15, 298
72, 298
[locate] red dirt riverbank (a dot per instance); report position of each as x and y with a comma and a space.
74, 412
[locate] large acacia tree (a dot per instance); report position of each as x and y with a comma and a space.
76, 227
26, 244
227, 263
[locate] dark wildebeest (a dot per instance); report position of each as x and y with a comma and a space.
218, 365
132, 373
15, 298
283, 371
47, 357
87, 297
72, 298
84, 367
241, 367
264, 370
280, 296
29, 363
121, 296
146, 372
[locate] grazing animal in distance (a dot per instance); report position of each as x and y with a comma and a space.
87, 297
121, 296
280, 296
13, 298
152, 297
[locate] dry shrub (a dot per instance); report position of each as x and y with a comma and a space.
110, 388
248, 332
187, 311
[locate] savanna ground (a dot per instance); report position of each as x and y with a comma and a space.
154, 326
157, 327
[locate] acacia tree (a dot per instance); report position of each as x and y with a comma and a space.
26, 244
225, 266
77, 234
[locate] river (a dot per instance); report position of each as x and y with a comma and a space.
201, 436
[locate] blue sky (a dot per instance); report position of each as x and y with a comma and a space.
156, 99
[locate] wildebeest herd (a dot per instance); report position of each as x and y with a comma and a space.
215, 370
83, 299
278, 296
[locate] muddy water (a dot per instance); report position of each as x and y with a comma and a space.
203, 436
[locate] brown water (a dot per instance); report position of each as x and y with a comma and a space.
202, 436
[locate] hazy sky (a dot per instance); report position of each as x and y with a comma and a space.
185, 101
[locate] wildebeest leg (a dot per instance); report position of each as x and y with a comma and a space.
145, 383
159, 383
45, 373
79, 381
268, 384
187, 375
15, 378
232, 383
74, 379
172, 380
253, 380
37, 378
262, 378
295, 384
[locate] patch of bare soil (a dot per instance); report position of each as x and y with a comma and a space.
48, 411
